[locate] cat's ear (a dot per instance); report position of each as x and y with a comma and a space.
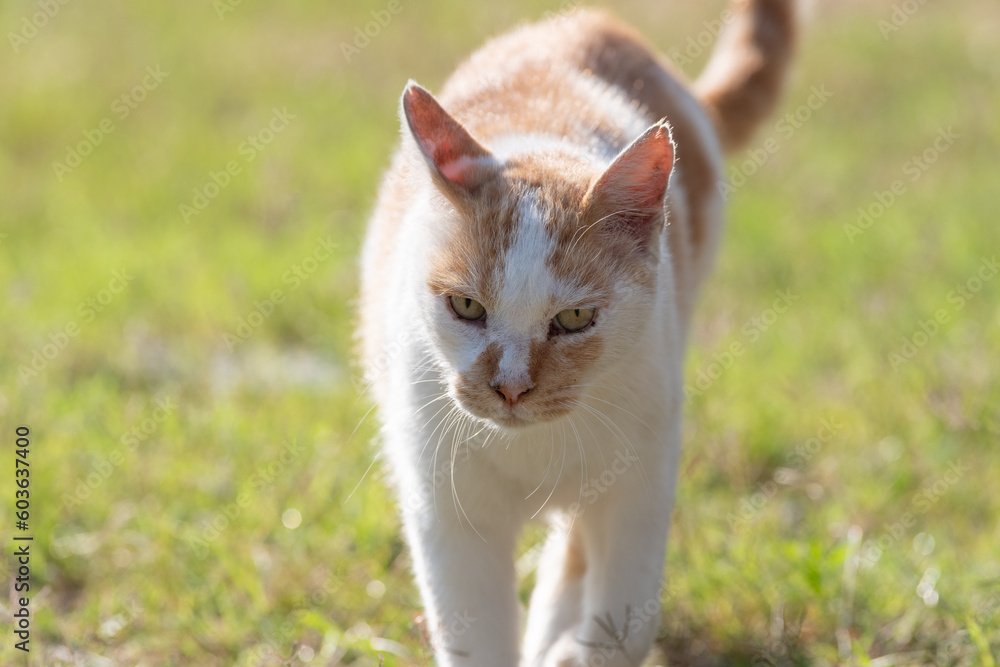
629, 194
454, 156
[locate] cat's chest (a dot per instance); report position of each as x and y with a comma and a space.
560, 465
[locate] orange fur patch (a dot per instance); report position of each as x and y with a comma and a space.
548, 78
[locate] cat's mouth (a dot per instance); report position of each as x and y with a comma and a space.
513, 420
524, 414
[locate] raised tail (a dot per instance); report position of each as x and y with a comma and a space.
744, 78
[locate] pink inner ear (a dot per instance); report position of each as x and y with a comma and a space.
444, 142
458, 170
629, 194
640, 174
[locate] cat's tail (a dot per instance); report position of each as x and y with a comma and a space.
745, 75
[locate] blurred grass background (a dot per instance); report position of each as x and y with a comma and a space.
199, 482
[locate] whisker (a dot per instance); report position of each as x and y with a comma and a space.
362, 421
620, 435
449, 421
628, 412
429, 437
583, 475
367, 470
593, 437
465, 420
558, 477
609, 424
545, 475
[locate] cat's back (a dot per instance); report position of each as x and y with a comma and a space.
567, 73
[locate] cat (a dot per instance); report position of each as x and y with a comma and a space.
528, 278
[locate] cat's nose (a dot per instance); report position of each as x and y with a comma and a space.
512, 392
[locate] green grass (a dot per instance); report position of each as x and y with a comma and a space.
184, 547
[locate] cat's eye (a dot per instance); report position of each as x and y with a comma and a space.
467, 309
575, 319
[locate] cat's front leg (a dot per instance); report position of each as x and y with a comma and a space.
464, 564
624, 538
557, 599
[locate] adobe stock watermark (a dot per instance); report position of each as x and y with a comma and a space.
752, 330
262, 479
590, 492
444, 635
35, 22
363, 35
902, 12
914, 167
274, 641
87, 310
381, 363
105, 466
248, 150
223, 7
697, 44
921, 503
424, 496
989, 609
611, 641
784, 129
957, 298
262, 310
961, 645
114, 625
779, 651
564, 9
751, 504
593, 488
121, 108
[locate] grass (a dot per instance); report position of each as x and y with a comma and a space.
202, 491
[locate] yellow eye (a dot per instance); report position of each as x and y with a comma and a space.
575, 319
467, 309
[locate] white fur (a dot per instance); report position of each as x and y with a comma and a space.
519, 143
526, 282
604, 476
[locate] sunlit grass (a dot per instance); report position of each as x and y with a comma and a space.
834, 503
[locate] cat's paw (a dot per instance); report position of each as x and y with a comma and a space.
572, 651
566, 652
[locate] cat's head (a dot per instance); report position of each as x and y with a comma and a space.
542, 268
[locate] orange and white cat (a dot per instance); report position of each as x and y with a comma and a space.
528, 280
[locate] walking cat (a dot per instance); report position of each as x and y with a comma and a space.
528, 278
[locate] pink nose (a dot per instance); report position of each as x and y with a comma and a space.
512, 393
